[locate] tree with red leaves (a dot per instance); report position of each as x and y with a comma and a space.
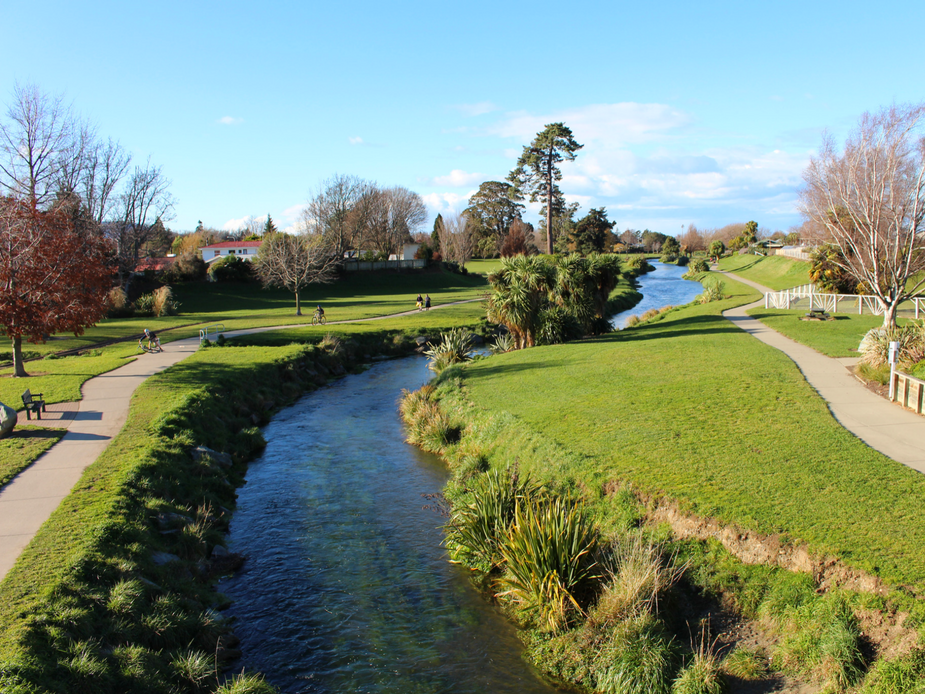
52, 278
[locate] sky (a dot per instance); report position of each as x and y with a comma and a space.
703, 113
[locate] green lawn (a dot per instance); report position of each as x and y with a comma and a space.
357, 296
693, 408
835, 338
238, 306
22, 447
774, 271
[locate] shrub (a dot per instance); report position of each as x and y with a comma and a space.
164, 303
558, 325
713, 291
187, 267
455, 347
549, 556
875, 345
632, 321
231, 268
503, 343
697, 267
478, 527
118, 304
683, 260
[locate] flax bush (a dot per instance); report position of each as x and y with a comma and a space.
455, 347
875, 345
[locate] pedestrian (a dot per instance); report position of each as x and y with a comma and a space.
420, 303
427, 302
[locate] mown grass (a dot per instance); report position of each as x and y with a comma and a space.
774, 271
357, 296
693, 408
60, 380
835, 338
20, 449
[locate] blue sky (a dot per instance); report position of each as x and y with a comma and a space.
689, 112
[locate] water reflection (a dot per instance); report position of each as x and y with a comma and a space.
661, 287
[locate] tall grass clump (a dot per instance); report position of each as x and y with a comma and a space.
481, 521
745, 664
638, 658
455, 347
875, 345
703, 673
821, 639
549, 557
712, 291
898, 676
427, 425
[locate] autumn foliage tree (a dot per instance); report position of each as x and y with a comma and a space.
52, 278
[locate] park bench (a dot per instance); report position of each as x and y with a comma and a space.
817, 314
33, 403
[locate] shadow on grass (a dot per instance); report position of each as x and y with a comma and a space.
36, 433
696, 325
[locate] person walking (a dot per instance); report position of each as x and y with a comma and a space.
427, 302
420, 303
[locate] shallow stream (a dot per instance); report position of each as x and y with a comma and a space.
346, 587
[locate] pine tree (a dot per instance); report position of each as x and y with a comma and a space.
269, 227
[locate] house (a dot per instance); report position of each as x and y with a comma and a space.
408, 251
155, 265
246, 250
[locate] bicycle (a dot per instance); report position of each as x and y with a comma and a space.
319, 319
153, 346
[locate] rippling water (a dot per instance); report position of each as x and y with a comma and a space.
661, 287
346, 587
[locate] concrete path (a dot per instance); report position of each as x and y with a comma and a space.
30, 497
882, 425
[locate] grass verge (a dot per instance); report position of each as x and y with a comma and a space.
774, 271
20, 449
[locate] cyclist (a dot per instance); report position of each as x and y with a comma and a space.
319, 316
154, 344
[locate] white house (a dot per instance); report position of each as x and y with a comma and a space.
407, 252
246, 250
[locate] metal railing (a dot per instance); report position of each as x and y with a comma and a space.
211, 330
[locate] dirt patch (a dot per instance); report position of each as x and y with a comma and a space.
886, 631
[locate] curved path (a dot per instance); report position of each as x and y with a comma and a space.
30, 497
882, 425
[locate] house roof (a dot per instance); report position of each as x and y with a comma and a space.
155, 264
234, 244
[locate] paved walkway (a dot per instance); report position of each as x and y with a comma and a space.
882, 425
28, 500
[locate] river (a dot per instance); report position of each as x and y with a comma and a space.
661, 287
346, 587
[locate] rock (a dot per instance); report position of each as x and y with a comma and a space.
150, 584
161, 558
219, 551
338, 369
202, 452
421, 340
171, 520
8, 418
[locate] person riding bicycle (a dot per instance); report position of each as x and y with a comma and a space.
154, 343
319, 311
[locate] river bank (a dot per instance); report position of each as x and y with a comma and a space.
651, 425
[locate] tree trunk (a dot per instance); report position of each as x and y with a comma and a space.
19, 369
298, 305
549, 206
889, 313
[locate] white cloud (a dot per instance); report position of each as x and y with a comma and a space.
610, 125
230, 120
446, 203
457, 178
478, 109
355, 140
241, 222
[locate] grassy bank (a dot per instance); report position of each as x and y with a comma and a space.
774, 271
690, 410
20, 449
115, 593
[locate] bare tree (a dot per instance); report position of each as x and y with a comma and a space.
293, 262
871, 200
336, 211
456, 238
388, 217
105, 167
34, 140
145, 201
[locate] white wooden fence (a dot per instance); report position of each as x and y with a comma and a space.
790, 298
